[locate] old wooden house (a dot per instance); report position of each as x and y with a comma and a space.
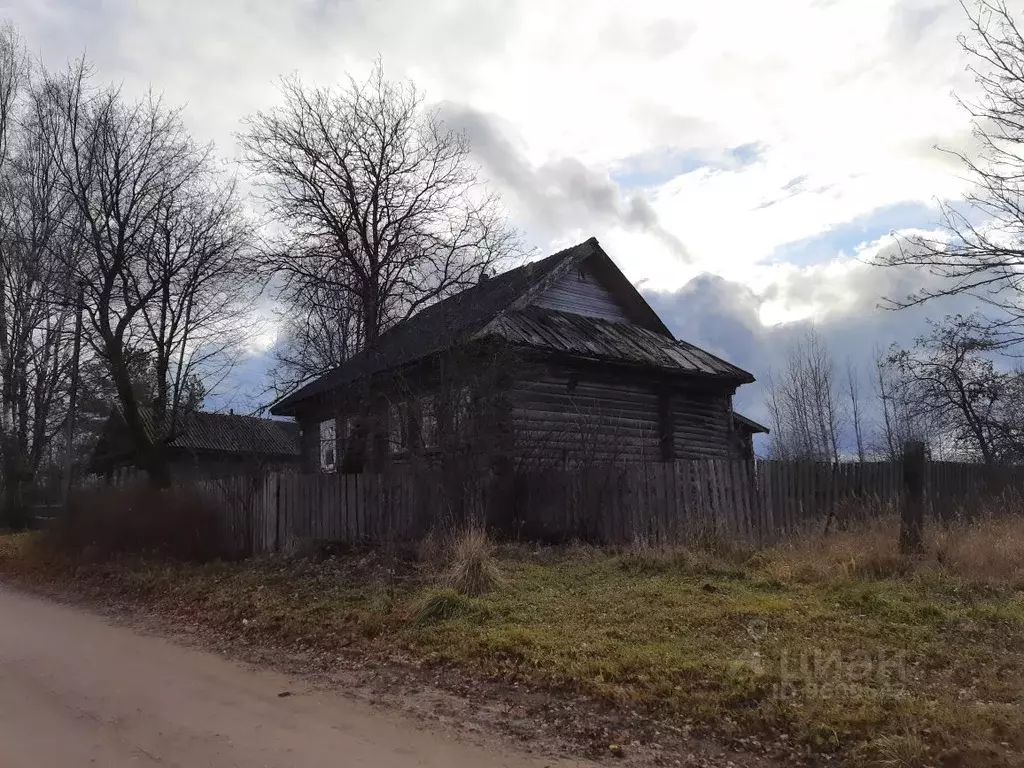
560, 362
204, 444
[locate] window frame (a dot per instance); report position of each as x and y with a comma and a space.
399, 424
328, 446
428, 415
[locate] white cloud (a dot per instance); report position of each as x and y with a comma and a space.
843, 99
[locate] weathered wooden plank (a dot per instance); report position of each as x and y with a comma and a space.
744, 488
732, 500
717, 489
666, 500
347, 481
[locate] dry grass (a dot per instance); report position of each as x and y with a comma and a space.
987, 551
763, 647
472, 569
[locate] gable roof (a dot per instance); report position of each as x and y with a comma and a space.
205, 432
500, 305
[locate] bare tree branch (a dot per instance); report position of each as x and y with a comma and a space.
380, 209
981, 253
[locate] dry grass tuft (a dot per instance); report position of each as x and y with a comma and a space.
895, 751
472, 570
441, 605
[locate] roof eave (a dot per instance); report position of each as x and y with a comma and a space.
753, 426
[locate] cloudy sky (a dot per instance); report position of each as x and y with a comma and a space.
740, 161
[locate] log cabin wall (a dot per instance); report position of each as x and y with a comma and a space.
702, 424
567, 416
366, 438
560, 416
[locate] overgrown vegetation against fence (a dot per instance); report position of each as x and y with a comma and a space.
683, 502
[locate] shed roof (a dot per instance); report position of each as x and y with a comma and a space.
495, 307
232, 433
206, 432
749, 424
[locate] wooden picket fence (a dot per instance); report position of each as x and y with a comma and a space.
680, 502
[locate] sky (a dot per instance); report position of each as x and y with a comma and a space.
741, 162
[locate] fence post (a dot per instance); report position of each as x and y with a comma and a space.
912, 521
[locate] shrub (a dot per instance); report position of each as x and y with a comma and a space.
174, 523
472, 568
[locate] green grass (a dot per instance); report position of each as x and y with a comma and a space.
923, 668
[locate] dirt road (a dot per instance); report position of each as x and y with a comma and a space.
78, 691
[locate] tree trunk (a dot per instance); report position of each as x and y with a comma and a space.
151, 455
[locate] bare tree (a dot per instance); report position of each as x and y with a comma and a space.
853, 390
379, 205
951, 378
803, 402
319, 327
34, 341
982, 251
900, 419
200, 264
158, 240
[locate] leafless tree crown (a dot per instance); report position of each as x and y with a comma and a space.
379, 210
951, 383
804, 403
157, 244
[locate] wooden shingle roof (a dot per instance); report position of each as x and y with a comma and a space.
603, 340
502, 307
440, 325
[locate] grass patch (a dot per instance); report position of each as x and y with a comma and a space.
442, 605
836, 643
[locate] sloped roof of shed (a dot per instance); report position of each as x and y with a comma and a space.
749, 424
230, 433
